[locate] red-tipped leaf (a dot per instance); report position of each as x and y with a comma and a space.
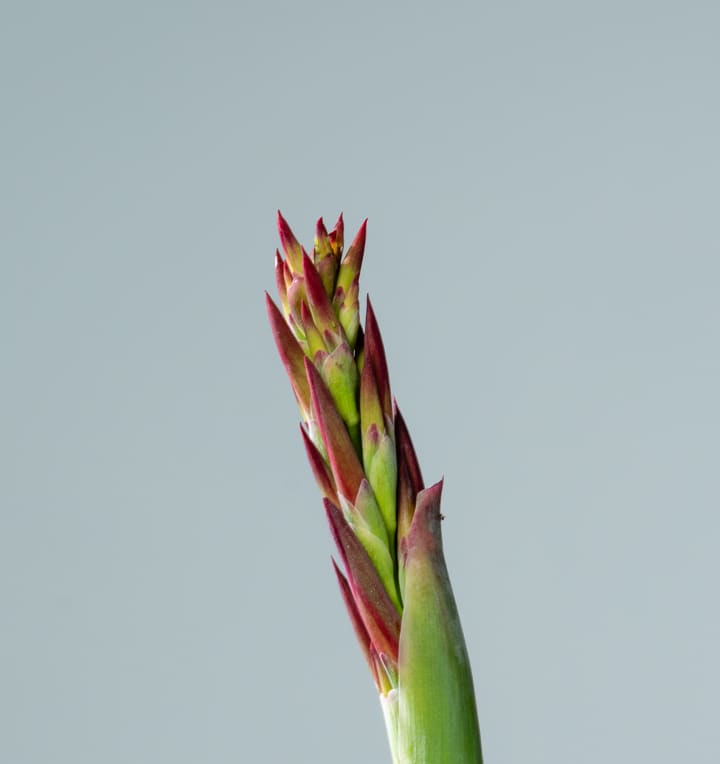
291, 246
319, 468
356, 620
323, 247
318, 301
409, 480
291, 353
280, 282
350, 265
346, 468
370, 404
337, 236
375, 354
406, 453
379, 615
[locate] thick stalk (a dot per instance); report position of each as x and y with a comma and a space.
437, 716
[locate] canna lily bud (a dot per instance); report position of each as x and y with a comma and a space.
385, 523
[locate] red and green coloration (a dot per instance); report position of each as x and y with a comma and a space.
385, 523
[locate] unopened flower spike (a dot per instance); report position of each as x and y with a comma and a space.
385, 523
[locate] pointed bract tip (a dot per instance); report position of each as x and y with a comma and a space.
291, 354
339, 227
424, 536
406, 451
375, 354
431, 494
308, 264
354, 255
337, 236
290, 244
274, 313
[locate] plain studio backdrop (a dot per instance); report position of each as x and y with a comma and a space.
541, 183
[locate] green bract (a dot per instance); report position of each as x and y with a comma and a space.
385, 523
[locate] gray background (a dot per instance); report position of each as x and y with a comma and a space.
542, 186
